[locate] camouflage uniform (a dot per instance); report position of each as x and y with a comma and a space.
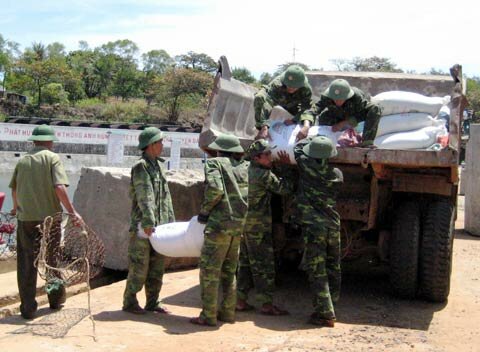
276, 93
257, 266
318, 186
151, 206
225, 205
356, 109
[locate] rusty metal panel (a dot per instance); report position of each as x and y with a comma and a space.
415, 183
374, 83
353, 209
413, 158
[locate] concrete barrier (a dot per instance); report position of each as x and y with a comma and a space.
472, 191
102, 198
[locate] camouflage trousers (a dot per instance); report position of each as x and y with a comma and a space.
218, 263
322, 262
145, 267
371, 126
256, 267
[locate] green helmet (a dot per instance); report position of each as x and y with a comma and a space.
339, 89
43, 133
148, 136
258, 147
226, 143
294, 77
320, 147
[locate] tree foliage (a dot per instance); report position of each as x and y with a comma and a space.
196, 61
473, 93
179, 84
244, 75
369, 64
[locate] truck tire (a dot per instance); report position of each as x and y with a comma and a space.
404, 249
436, 250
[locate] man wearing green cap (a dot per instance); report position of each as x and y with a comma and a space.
292, 92
257, 263
318, 185
341, 106
151, 206
223, 210
38, 190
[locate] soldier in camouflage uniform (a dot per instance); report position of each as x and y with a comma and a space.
318, 186
292, 92
223, 210
257, 266
341, 105
151, 206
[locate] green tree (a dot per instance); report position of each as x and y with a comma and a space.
266, 78
473, 93
369, 64
8, 54
157, 61
178, 85
53, 93
36, 69
281, 68
197, 61
243, 74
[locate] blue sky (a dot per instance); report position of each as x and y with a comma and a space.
260, 35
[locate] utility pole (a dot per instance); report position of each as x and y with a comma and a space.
294, 51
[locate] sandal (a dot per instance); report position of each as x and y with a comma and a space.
273, 310
200, 321
244, 307
316, 319
160, 310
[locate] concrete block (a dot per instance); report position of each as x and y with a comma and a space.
472, 191
102, 198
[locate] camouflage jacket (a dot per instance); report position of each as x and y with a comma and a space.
151, 200
318, 187
225, 199
274, 94
262, 183
355, 109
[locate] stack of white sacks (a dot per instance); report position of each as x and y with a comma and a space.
411, 120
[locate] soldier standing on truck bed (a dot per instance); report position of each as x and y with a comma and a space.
318, 185
341, 105
292, 92
257, 262
223, 210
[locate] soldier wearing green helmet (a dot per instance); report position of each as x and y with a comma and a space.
341, 105
151, 206
257, 262
38, 190
223, 210
292, 92
318, 186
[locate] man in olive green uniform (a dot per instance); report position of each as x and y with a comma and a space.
318, 186
257, 263
292, 92
223, 210
151, 206
341, 106
38, 190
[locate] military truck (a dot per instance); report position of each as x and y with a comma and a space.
398, 206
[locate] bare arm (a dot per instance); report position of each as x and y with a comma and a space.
62, 195
15, 203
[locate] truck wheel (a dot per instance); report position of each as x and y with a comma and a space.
404, 249
436, 250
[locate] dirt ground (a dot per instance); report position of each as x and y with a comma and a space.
369, 318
